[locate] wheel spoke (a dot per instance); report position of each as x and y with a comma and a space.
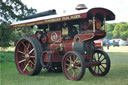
32, 62
76, 74
70, 60
31, 66
94, 68
30, 69
21, 52
102, 66
99, 57
94, 58
25, 51
67, 64
25, 48
24, 45
100, 69
102, 59
31, 51
22, 61
76, 59
26, 66
73, 73
78, 69
28, 46
104, 63
69, 69
97, 70
32, 56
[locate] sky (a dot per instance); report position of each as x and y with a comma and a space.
119, 7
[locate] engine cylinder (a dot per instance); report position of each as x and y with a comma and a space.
85, 47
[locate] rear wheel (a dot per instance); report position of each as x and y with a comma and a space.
27, 53
73, 65
102, 66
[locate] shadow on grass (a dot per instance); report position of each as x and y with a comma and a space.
45, 73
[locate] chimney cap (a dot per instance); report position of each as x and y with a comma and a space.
81, 7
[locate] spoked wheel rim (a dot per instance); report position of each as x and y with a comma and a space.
73, 66
102, 63
26, 57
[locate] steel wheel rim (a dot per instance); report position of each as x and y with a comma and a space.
101, 65
72, 67
25, 57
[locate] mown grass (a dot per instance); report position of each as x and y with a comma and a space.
118, 74
6, 56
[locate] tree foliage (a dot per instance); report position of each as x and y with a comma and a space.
117, 30
110, 28
4, 34
10, 11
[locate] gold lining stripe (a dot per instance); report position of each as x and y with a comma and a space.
72, 45
77, 36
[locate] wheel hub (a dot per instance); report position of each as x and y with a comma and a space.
26, 55
98, 63
72, 65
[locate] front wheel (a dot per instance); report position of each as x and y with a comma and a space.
102, 63
73, 65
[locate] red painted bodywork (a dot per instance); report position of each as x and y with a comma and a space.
56, 57
98, 44
54, 37
68, 45
54, 46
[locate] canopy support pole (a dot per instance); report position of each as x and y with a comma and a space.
93, 24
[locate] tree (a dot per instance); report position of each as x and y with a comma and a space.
4, 37
116, 31
13, 10
124, 31
109, 35
18, 33
110, 28
121, 31
10, 11
124, 35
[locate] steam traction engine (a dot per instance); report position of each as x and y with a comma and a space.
61, 44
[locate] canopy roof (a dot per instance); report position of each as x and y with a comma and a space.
97, 12
101, 13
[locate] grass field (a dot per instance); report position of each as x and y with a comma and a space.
118, 74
